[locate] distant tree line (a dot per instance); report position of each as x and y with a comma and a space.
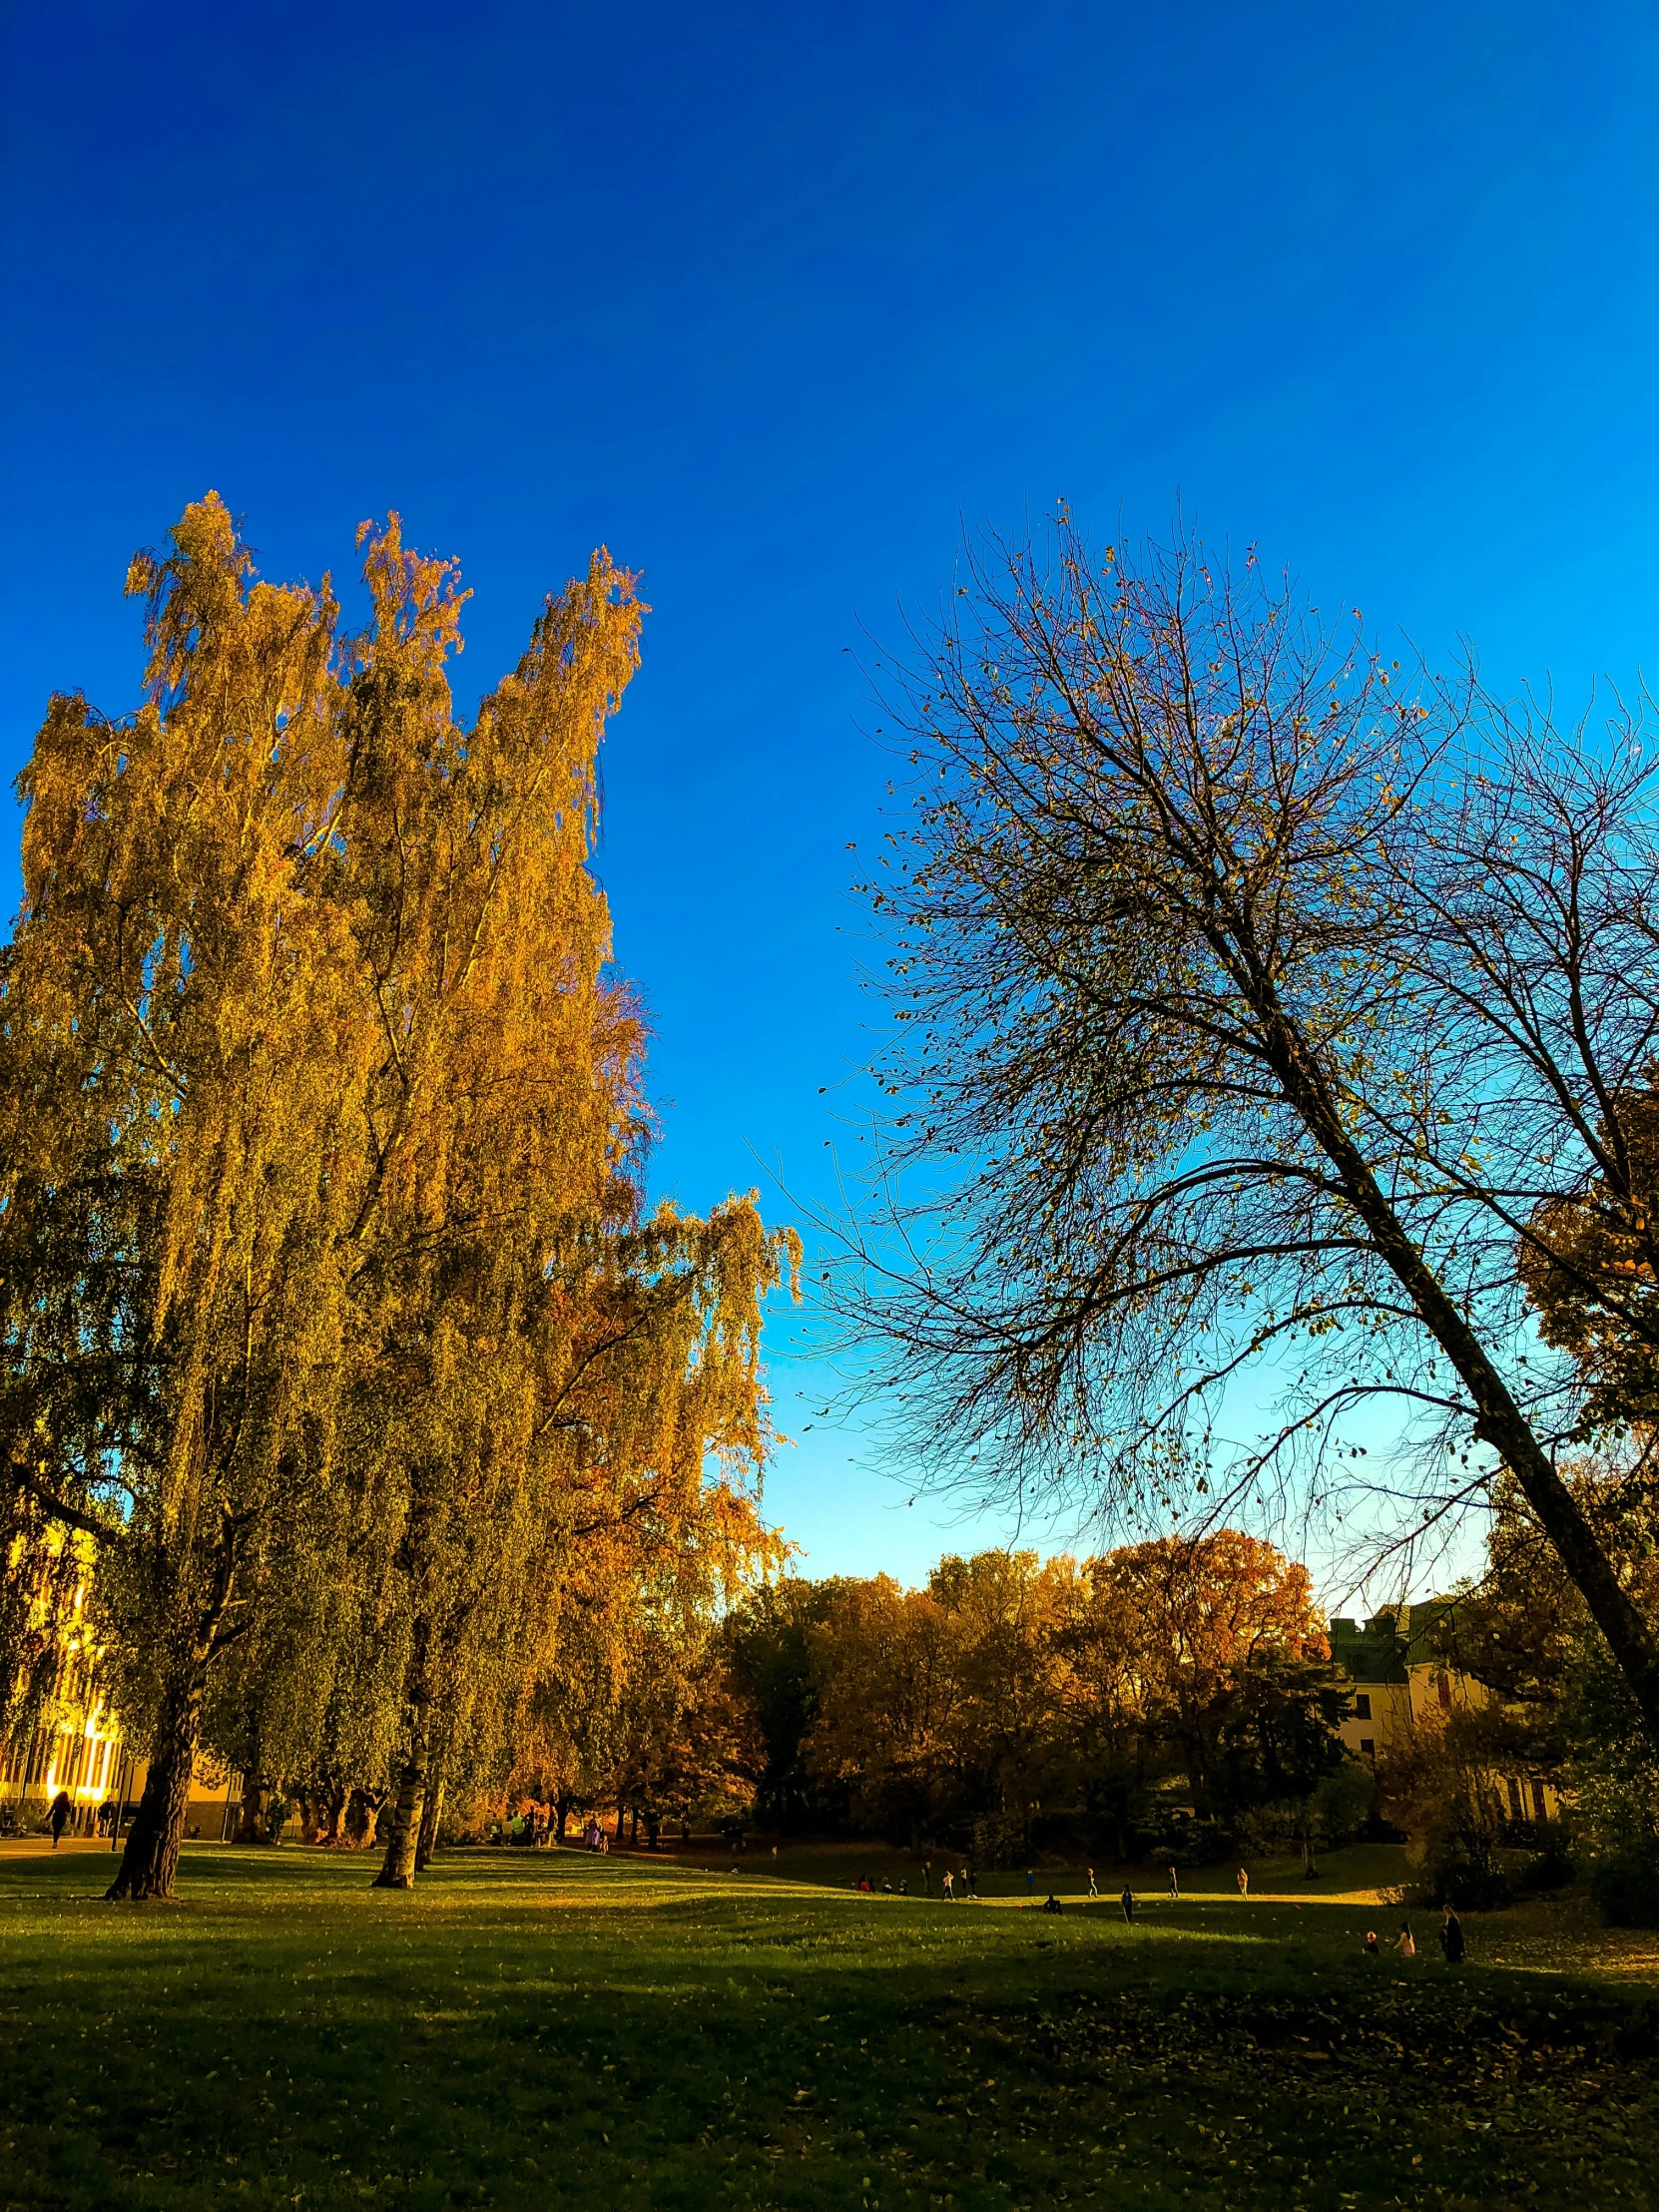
1176, 1694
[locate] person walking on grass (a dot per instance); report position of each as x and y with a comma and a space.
1452, 1939
1403, 1942
927, 1878
1030, 1881
949, 1892
1243, 1882
59, 1815
1174, 1887
1093, 1892
1127, 1901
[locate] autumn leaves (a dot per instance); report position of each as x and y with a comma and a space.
331, 1305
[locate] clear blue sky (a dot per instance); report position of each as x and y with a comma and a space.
775, 300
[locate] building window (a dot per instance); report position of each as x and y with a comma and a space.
1368, 1746
1539, 1809
1443, 1683
1362, 1705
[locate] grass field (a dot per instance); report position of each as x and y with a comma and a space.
549, 2029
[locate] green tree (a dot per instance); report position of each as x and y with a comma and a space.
770, 1638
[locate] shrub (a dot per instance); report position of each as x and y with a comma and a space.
1626, 1889
1458, 1864
999, 1839
1190, 1841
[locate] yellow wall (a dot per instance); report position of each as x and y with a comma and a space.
1399, 1709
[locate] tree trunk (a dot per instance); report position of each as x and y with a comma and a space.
1197, 1778
362, 1819
432, 1812
149, 1864
397, 1870
250, 1821
335, 1799
1498, 1420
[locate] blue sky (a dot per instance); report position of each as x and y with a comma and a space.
776, 301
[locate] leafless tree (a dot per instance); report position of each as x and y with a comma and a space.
1254, 1005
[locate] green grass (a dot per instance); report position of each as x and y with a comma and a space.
539, 2029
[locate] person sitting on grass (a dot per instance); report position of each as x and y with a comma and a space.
1052, 1903
1372, 1950
1403, 1942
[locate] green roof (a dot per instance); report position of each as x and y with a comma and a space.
1389, 1643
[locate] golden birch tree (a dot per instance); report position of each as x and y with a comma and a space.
323, 1144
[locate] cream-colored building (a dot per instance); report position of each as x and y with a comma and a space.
74, 1742
1398, 1683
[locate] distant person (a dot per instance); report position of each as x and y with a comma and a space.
1030, 1880
1373, 1951
864, 1885
927, 1878
59, 1815
946, 1886
1452, 1939
887, 1886
903, 1888
1174, 1886
106, 1817
1052, 1903
775, 1851
1243, 1882
1403, 1942
973, 1881
1127, 1901
1093, 1892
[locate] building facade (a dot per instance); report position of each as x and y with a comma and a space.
68, 1738
1399, 1684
